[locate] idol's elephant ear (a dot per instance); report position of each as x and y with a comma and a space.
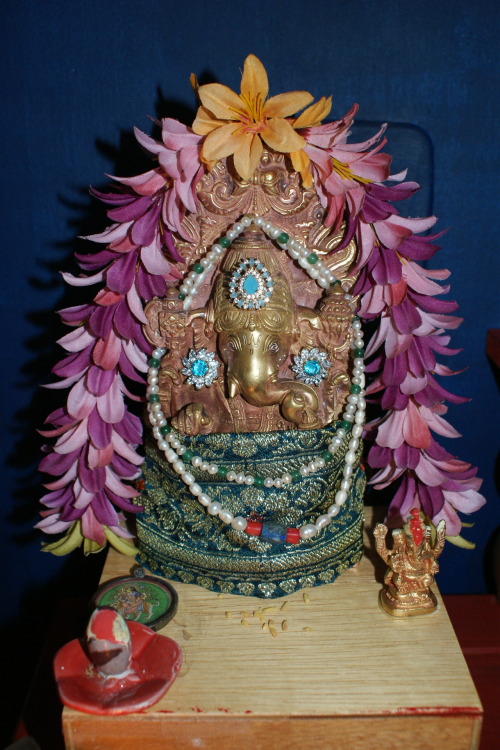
308, 326
166, 321
152, 329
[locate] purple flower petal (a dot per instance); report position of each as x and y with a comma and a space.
149, 286
388, 269
131, 210
431, 499
76, 315
126, 451
92, 480
153, 259
393, 398
432, 304
110, 405
145, 228
120, 275
434, 393
128, 370
123, 468
169, 243
417, 248
376, 210
130, 428
395, 192
135, 305
58, 498
76, 340
406, 316
80, 401
96, 260
124, 323
101, 320
395, 369
106, 352
104, 511
379, 456
406, 456
71, 513
123, 502
58, 463
74, 364
74, 439
403, 501
114, 199
99, 431
115, 485
98, 381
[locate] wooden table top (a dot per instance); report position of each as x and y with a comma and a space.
327, 652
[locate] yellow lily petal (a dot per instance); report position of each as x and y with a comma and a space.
90, 547
284, 105
280, 135
222, 142
247, 155
459, 541
194, 83
220, 100
205, 122
314, 114
70, 541
254, 79
300, 162
121, 544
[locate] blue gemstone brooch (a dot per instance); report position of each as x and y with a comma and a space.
200, 367
251, 285
311, 366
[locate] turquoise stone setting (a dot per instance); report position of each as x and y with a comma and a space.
311, 366
200, 368
250, 285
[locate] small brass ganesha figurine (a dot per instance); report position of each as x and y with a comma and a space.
256, 394
412, 565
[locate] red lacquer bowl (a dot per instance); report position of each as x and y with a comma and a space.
155, 662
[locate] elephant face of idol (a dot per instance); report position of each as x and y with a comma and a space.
254, 343
253, 358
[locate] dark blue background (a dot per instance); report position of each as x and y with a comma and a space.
76, 76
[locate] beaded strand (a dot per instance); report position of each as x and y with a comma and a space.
353, 417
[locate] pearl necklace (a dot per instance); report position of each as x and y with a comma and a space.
353, 417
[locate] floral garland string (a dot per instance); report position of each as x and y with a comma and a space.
94, 458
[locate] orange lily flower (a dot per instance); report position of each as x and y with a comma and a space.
309, 118
239, 124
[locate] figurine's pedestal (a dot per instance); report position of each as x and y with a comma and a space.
356, 678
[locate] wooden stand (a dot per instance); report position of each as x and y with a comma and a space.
328, 669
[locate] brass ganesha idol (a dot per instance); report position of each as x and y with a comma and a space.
255, 383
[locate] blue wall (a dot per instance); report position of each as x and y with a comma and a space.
76, 76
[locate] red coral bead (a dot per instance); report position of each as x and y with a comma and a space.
254, 528
292, 536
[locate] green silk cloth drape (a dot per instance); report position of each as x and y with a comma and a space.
178, 539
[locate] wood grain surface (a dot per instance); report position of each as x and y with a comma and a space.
321, 668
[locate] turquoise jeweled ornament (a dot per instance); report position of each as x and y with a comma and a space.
200, 367
311, 366
251, 285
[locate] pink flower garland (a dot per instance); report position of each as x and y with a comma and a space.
95, 452
398, 292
